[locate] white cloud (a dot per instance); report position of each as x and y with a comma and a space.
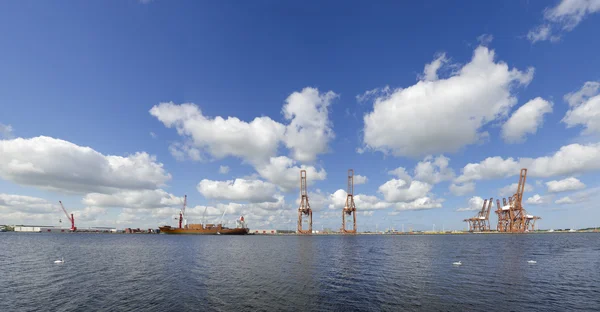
565, 200
447, 114
585, 108
431, 69
525, 120
309, 130
398, 190
580, 197
475, 203
570, 159
401, 173
372, 94
541, 33
254, 191
5, 131
420, 204
307, 134
283, 172
27, 204
563, 17
145, 199
54, 164
538, 200
359, 179
220, 137
183, 151
362, 201
485, 39
568, 184
153, 135
434, 170
462, 189
223, 169
511, 189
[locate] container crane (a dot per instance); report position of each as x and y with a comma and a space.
350, 207
71, 218
304, 208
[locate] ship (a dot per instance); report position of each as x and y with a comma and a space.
207, 229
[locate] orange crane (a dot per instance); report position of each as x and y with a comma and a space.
513, 217
71, 218
304, 208
349, 208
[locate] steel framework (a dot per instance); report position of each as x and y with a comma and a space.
481, 221
70, 218
349, 208
304, 208
512, 217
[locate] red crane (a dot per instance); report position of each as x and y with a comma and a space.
182, 212
71, 218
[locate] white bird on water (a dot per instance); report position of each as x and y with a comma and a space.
457, 263
62, 260
532, 262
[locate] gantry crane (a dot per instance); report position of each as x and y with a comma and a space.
304, 208
513, 217
349, 208
71, 218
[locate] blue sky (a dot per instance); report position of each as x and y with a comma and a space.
89, 74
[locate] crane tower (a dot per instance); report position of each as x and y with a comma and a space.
304, 208
349, 208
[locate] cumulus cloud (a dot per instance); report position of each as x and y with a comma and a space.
401, 173
309, 130
462, 189
584, 108
568, 184
55, 164
562, 18
525, 120
398, 190
5, 131
431, 69
359, 179
422, 203
511, 189
361, 201
537, 199
147, 199
485, 39
434, 170
568, 160
474, 203
253, 191
579, 197
283, 172
307, 134
220, 137
445, 114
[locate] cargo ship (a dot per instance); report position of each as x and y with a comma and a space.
207, 229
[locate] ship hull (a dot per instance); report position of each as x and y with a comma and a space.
213, 231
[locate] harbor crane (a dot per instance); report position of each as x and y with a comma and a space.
182, 211
304, 208
350, 207
71, 218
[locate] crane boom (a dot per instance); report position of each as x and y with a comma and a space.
71, 218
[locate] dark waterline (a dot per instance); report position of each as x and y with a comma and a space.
296, 273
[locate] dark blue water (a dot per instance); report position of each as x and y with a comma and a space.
104, 272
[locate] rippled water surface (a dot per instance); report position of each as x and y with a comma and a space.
104, 272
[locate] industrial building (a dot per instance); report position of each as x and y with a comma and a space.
58, 229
